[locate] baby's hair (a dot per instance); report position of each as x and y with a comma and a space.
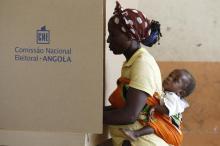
192, 83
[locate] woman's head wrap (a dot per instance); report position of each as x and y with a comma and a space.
133, 23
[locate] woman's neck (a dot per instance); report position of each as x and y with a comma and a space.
130, 51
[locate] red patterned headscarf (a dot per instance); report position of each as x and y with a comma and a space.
135, 24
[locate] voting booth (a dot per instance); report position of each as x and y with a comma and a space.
51, 65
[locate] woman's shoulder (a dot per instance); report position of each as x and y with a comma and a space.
145, 60
145, 56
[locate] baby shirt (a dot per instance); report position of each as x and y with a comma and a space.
174, 103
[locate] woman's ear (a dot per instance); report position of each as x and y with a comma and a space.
134, 44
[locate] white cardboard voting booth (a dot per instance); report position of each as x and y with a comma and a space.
51, 65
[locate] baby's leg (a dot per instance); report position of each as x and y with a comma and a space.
134, 134
130, 134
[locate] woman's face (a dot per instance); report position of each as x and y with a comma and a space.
118, 41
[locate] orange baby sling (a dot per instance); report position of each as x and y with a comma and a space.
162, 124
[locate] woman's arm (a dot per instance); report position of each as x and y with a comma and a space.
136, 100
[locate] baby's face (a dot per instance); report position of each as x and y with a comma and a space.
176, 82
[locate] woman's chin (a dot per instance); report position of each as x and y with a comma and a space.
114, 52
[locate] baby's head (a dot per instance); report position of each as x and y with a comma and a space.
179, 81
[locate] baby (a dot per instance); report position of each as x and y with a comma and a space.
178, 85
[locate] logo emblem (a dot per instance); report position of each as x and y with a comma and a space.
43, 36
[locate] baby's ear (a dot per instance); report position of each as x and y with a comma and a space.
182, 93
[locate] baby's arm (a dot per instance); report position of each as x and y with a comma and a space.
162, 109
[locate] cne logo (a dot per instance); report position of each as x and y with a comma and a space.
43, 36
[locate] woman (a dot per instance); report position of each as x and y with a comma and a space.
140, 72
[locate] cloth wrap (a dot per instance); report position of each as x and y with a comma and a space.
162, 124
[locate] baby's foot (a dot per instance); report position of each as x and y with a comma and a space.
129, 134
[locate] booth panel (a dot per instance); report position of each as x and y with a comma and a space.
51, 64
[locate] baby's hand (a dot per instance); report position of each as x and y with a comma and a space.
151, 113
